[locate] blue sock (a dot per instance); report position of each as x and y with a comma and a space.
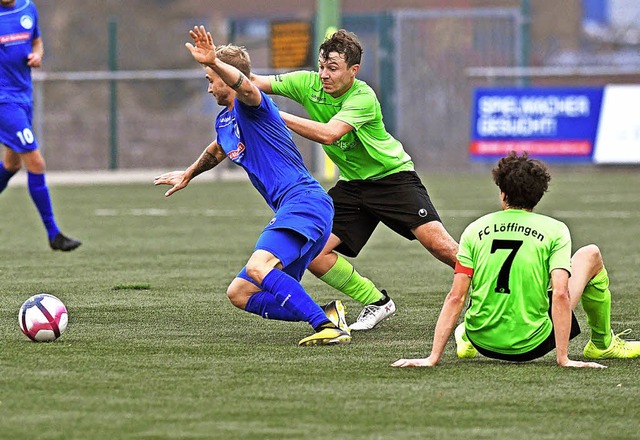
40, 196
4, 177
292, 296
264, 304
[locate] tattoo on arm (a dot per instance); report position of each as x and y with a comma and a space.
239, 82
206, 162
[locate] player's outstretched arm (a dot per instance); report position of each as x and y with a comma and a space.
210, 157
324, 133
262, 82
451, 309
204, 52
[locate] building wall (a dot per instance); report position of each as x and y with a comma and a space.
166, 123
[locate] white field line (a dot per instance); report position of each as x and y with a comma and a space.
449, 213
163, 212
79, 178
617, 214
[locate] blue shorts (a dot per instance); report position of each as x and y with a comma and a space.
16, 131
297, 233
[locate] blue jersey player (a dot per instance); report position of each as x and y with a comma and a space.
21, 48
252, 134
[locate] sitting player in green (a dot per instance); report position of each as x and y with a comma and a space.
507, 260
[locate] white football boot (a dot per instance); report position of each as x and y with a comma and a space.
373, 314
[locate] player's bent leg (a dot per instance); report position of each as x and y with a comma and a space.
39, 192
378, 306
240, 291
5, 175
435, 238
338, 273
288, 291
326, 259
586, 263
292, 296
9, 166
589, 284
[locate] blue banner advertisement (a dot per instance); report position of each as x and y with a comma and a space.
548, 123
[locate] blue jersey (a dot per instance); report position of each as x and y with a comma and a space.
257, 139
18, 29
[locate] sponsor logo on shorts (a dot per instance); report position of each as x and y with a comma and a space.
422, 212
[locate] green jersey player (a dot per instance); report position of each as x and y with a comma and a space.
377, 182
506, 263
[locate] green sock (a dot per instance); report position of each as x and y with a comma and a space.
343, 277
596, 302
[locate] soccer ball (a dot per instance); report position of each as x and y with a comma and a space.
43, 318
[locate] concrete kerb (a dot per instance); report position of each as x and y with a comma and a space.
113, 177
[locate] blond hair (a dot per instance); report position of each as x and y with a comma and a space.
236, 56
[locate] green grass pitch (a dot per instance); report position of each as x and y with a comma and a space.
155, 350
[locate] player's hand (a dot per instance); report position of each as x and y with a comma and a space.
580, 364
34, 60
176, 178
204, 51
423, 362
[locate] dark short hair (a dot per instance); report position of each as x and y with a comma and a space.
522, 180
236, 56
345, 43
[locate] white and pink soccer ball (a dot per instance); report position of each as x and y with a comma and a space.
43, 318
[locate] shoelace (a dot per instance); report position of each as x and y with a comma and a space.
624, 333
367, 311
622, 343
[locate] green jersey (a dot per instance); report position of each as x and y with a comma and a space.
512, 254
366, 152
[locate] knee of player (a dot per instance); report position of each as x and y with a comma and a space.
11, 167
236, 296
594, 255
257, 271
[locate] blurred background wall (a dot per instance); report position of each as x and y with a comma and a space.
423, 58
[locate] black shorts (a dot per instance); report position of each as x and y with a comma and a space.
545, 346
400, 201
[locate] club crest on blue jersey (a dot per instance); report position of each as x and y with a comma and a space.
26, 21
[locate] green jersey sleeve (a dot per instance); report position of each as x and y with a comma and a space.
293, 85
560, 255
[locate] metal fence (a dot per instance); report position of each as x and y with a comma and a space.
433, 50
415, 60
161, 119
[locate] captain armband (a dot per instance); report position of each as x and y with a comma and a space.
463, 269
